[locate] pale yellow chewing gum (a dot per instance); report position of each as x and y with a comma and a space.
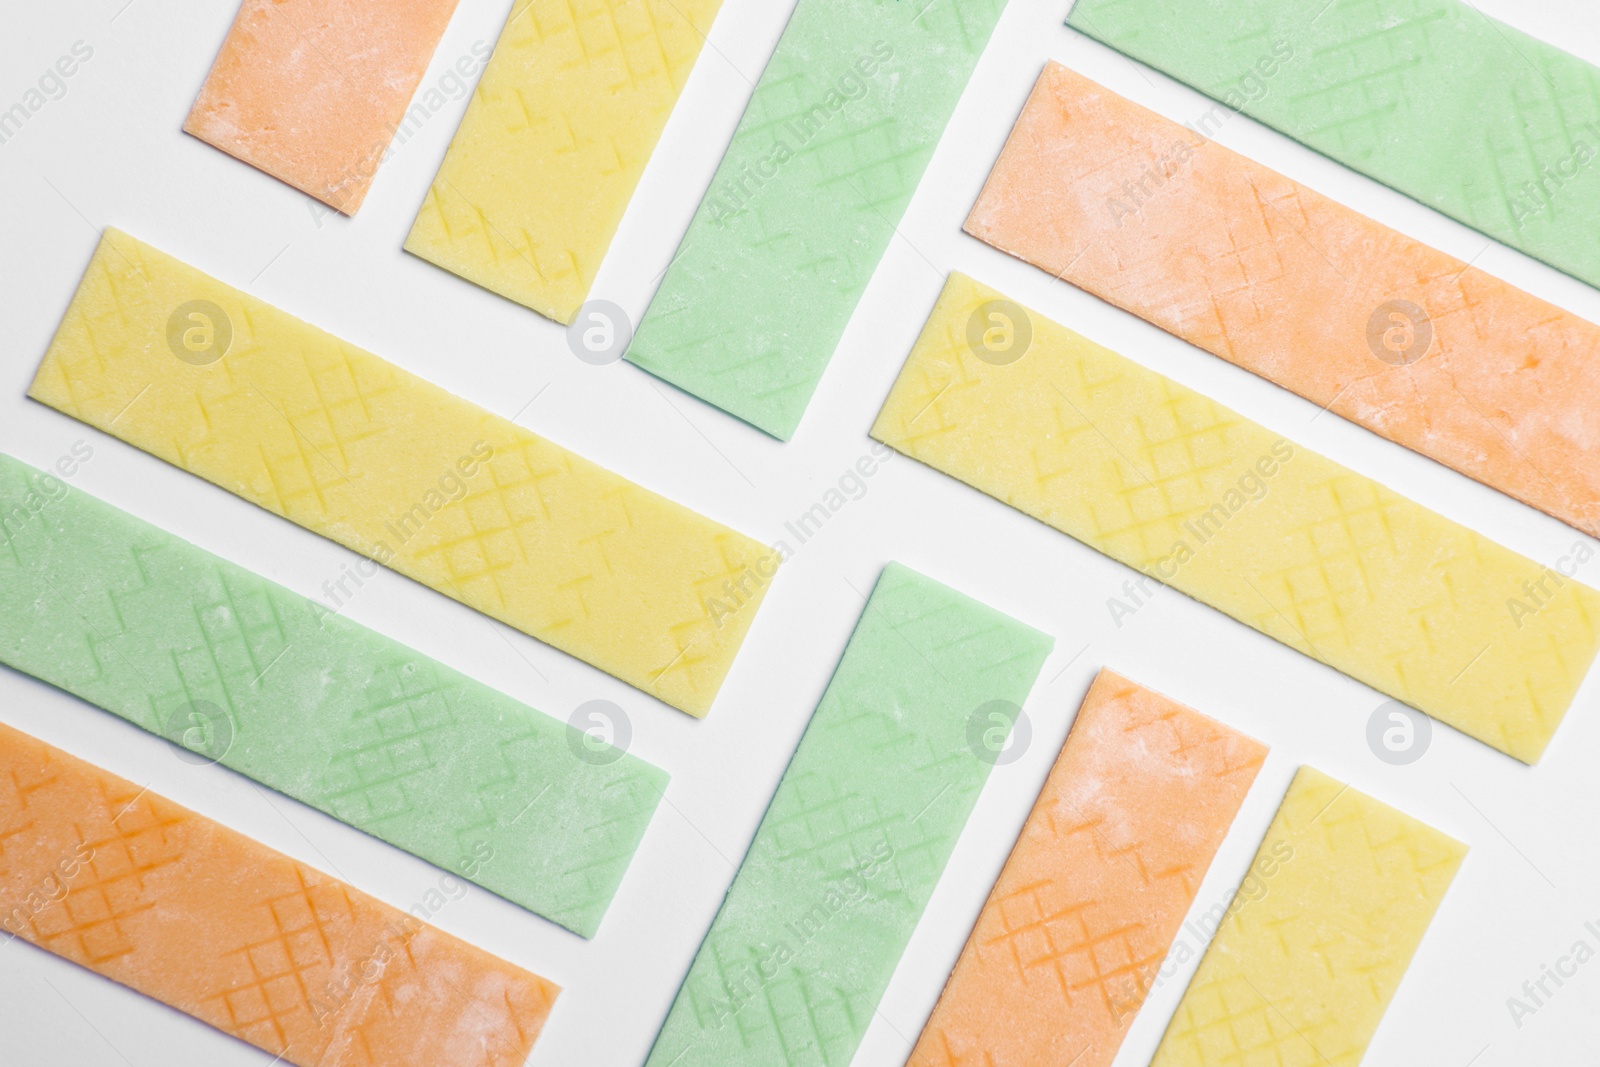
1311, 950
554, 142
1191, 494
354, 448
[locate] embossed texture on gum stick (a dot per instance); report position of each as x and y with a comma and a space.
554, 142
354, 448
834, 142
1178, 487
1084, 914
175, 906
246, 673
1301, 974
858, 833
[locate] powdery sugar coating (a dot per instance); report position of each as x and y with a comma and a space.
311, 91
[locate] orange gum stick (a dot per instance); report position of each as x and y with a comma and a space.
1074, 933
312, 91
1250, 266
184, 910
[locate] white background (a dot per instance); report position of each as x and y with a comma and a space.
111, 152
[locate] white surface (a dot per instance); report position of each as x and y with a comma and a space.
111, 152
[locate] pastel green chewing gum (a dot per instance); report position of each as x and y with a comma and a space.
239, 671
819, 173
858, 832
1490, 126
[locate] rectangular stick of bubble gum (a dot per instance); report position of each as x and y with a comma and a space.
1268, 274
1189, 493
1302, 973
242, 672
1467, 114
207, 921
312, 91
354, 448
819, 174
858, 832
554, 142
1108, 864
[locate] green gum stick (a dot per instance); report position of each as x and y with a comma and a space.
858, 833
239, 671
1488, 125
831, 147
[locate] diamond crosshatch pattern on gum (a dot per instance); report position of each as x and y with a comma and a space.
274, 686
1268, 274
1107, 866
1178, 487
354, 448
222, 928
819, 173
1302, 975
312, 91
554, 142
1471, 116
857, 834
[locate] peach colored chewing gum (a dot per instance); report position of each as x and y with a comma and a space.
1358, 319
312, 91
172, 905
1080, 923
